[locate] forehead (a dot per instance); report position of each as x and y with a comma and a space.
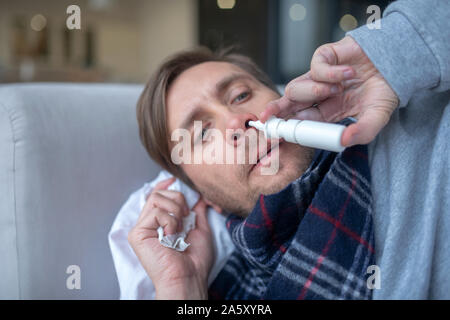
197, 85
201, 78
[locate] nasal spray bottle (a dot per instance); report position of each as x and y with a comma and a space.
314, 134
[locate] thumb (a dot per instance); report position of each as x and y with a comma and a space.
366, 128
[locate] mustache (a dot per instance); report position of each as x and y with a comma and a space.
212, 147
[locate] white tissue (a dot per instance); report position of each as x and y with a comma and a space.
176, 241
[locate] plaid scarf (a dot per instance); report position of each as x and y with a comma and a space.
312, 240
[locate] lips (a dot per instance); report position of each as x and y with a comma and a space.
267, 153
264, 156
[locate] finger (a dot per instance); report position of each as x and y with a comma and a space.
332, 109
324, 66
310, 91
169, 223
366, 128
137, 233
164, 184
178, 198
156, 200
168, 204
329, 110
305, 76
272, 109
281, 108
311, 113
159, 218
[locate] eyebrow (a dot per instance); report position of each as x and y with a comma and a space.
220, 87
227, 81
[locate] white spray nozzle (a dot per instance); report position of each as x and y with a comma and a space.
314, 134
257, 124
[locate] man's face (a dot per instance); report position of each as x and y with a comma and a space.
224, 97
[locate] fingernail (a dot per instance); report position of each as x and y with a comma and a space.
353, 140
348, 74
335, 89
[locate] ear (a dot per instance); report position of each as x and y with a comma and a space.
211, 204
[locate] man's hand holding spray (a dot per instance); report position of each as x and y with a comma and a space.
342, 82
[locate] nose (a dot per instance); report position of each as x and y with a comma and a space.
237, 124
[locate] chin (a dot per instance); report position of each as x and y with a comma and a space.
290, 169
279, 182
270, 184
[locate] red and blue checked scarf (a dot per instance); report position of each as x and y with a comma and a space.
312, 240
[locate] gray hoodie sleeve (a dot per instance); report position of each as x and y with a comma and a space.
412, 48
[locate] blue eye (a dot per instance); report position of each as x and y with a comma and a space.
241, 97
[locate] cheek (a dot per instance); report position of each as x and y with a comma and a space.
202, 174
291, 155
192, 171
210, 175
298, 157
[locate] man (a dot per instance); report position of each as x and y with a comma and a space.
396, 78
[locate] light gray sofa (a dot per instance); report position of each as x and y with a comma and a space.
70, 156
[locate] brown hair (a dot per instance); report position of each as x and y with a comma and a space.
151, 107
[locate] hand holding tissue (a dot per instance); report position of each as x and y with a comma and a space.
176, 241
140, 268
172, 272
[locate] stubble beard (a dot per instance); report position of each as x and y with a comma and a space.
241, 202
